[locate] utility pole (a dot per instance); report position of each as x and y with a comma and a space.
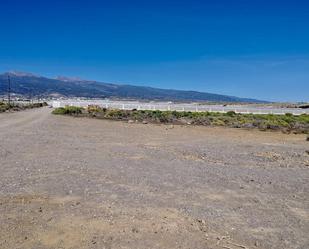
9, 91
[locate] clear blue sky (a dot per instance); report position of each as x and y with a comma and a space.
246, 48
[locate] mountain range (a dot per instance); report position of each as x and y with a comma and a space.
26, 84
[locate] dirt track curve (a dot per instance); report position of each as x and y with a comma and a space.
84, 183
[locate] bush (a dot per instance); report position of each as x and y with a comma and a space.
116, 114
231, 113
217, 122
68, 110
3, 107
94, 109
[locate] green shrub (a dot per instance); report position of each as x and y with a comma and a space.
231, 113
68, 110
95, 109
217, 122
116, 114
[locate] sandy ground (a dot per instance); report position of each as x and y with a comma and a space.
85, 183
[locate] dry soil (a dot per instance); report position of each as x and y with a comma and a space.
84, 183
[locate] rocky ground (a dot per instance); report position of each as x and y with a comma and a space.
85, 183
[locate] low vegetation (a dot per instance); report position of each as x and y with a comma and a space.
69, 110
286, 123
4, 106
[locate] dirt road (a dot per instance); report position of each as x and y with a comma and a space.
84, 183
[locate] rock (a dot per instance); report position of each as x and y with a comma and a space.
170, 127
201, 221
130, 121
247, 126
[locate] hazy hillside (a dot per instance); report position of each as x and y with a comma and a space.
28, 84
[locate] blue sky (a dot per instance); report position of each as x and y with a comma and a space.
256, 48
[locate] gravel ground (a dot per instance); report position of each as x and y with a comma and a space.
85, 183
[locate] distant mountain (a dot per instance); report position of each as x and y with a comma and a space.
29, 84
